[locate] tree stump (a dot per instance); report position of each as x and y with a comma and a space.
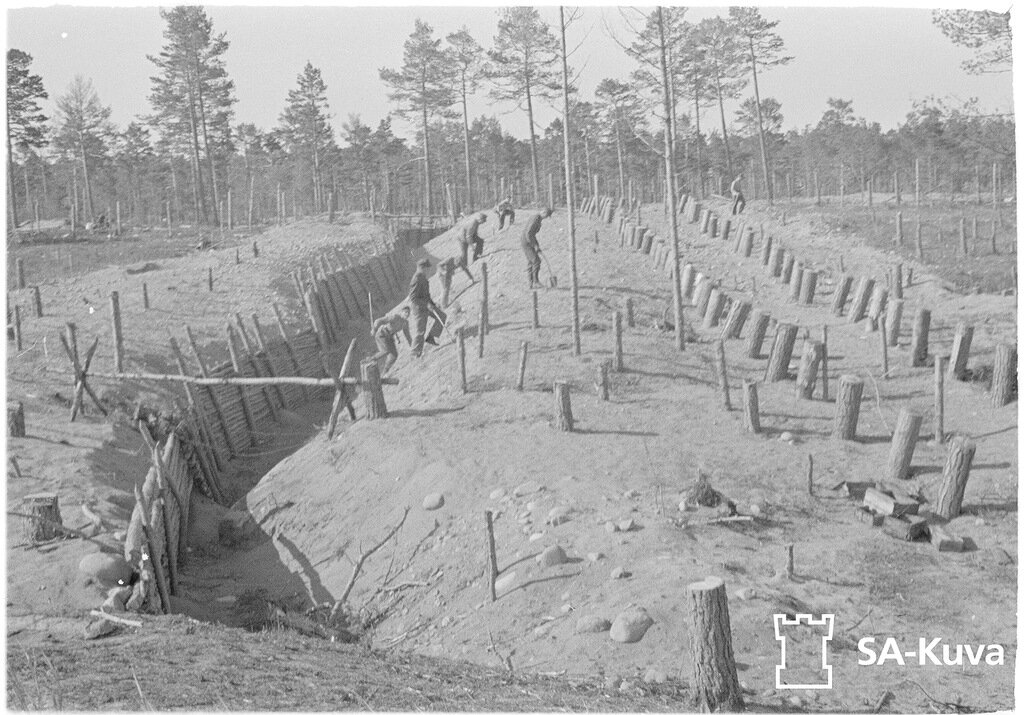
808, 283
841, 294
19, 265
747, 246
878, 299
536, 310
460, 339
37, 301
850, 391
788, 261
751, 409
775, 261
705, 223
954, 477
860, 299
617, 332
523, 349
782, 352
373, 392
1004, 374
713, 312
723, 376
46, 522
605, 386
715, 683
702, 295
807, 376
563, 408
897, 281
713, 228
795, 282
686, 280
756, 338
940, 398
766, 250
737, 317
919, 343
961, 350
893, 318
726, 229
15, 419
904, 438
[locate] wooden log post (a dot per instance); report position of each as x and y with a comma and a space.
209, 279
45, 522
243, 395
897, 281
536, 309
747, 246
524, 348
715, 684
775, 261
751, 410
795, 282
841, 294
1004, 374
481, 331
37, 301
961, 350
604, 387
893, 318
18, 338
919, 342
492, 555
919, 242
954, 477
726, 229
723, 376
788, 262
963, 236
879, 296
756, 338
19, 265
713, 312
447, 270
737, 317
807, 286
899, 228
782, 352
702, 295
901, 450
850, 391
373, 391
15, 419
824, 362
617, 362
115, 320
883, 341
485, 317
563, 407
713, 228
460, 340
766, 250
940, 398
860, 299
145, 296
807, 375
686, 281
630, 321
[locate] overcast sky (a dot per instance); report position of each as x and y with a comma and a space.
883, 59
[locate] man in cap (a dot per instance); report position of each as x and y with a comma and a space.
423, 307
531, 248
385, 330
504, 210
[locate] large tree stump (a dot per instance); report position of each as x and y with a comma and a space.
782, 352
919, 344
716, 302
563, 407
961, 350
715, 684
787, 267
737, 317
808, 283
373, 392
686, 280
841, 294
954, 477
751, 409
795, 282
45, 522
901, 450
1004, 374
893, 318
747, 245
701, 296
766, 250
850, 391
861, 298
15, 419
807, 376
878, 299
756, 338
775, 261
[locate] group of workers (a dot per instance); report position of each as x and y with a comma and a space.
419, 307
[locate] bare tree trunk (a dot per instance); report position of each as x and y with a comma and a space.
533, 144
465, 142
429, 202
570, 201
769, 189
670, 180
725, 133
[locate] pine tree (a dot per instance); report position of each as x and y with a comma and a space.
466, 53
523, 68
724, 56
621, 114
193, 97
985, 31
305, 128
26, 124
422, 86
83, 129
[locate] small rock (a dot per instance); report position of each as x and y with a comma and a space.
631, 494
653, 675
559, 515
610, 527
566, 608
795, 701
107, 569
619, 572
595, 556
686, 506
99, 628
552, 556
626, 525
631, 625
504, 581
612, 683
592, 624
530, 506
542, 630
979, 522
744, 594
755, 510
433, 501
566, 596
787, 437
497, 494
137, 598
537, 536
526, 488
626, 686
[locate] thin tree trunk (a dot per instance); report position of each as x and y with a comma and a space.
533, 144
725, 134
670, 179
429, 199
465, 142
570, 203
769, 189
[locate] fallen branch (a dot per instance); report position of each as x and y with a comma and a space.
359, 564
860, 621
116, 619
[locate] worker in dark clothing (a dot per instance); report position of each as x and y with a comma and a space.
738, 202
531, 248
385, 330
423, 307
471, 237
504, 210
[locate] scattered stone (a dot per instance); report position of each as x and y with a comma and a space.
526, 488
566, 596
631, 625
795, 701
592, 624
553, 555
542, 630
627, 687
433, 501
611, 527
530, 506
566, 608
107, 569
536, 536
686, 506
653, 675
559, 515
612, 683
99, 628
626, 525
744, 593
595, 556
631, 494
497, 494
504, 581
619, 572
787, 437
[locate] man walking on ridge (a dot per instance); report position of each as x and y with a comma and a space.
423, 307
504, 210
738, 202
531, 248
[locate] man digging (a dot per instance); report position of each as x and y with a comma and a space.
504, 210
531, 248
423, 307
471, 237
385, 330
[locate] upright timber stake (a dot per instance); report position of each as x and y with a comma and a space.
536, 312
563, 408
373, 392
605, 386
756, 338
861, 298
807, 376
485, 317
919, 346
961, 349
115, 317
617, 331
841, 294
18, 342
715, 683
19, 264
954, 477
15, 419
481, 329
630, 322
851, 389
37, 301
723, 377
782, 352
884, 345
893, 318
824, 362
940, 398
145, 296
751, 409
1004, 374
209, 279
492, 555
901, 451
460, 339
523, 348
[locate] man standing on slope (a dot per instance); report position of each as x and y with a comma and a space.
385, 330
504, 210
738, 202
531, 248
423, 307
471, 237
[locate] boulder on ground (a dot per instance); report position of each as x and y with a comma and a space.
106, 569
552, 556
631, 625
592, 624
433, 501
